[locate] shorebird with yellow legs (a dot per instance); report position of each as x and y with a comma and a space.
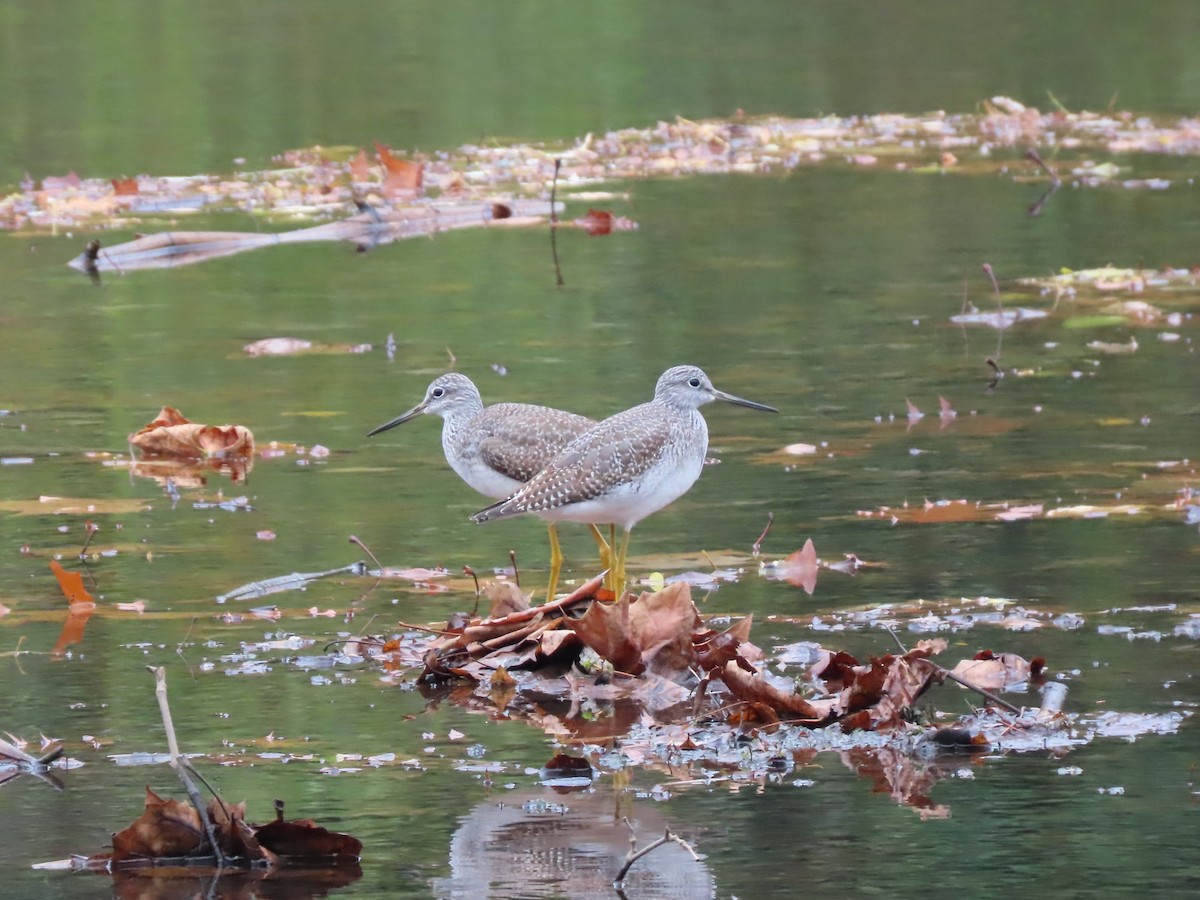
630, 465
496, 449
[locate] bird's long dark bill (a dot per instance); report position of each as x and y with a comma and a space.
741, 401
399, 420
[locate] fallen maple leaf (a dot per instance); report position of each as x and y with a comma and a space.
506, 597
403, 177
305, 838
171, 434
125, 187
652, 632
800, 568
165, 828
994, 672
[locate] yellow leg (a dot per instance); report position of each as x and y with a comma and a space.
556, 560
619, 569
610, 579
556, 556
603, 546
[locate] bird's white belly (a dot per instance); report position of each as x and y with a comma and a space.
627, 504
486, 481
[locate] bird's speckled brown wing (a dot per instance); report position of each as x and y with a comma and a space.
519, 440
618, 451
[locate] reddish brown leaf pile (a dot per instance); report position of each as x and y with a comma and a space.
170, 829
660, 638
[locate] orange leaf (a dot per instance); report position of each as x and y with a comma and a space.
72, 585
125, 187
402, 176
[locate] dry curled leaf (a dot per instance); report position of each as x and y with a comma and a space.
652, 632
165, 828
171, 434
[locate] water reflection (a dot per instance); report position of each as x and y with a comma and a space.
538, 843
278, 883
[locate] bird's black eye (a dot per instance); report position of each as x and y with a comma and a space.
694, 382
438, 392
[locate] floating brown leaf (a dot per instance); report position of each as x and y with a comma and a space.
652, 632
305, 838
599, 222
72, 585
994, 672
403, 177
235, 837
800, 568
506, 597
171, 434
165, 828
81, 606
713, 651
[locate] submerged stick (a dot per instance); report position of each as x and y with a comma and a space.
180, 764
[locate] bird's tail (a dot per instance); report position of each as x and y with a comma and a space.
495, 511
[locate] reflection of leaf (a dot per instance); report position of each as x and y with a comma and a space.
190, 473
171, 434
81, 607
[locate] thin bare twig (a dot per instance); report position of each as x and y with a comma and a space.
554, 223
180, 764
635, 854
367, 550
756, 547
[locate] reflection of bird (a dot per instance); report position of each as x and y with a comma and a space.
498, 448
630, 465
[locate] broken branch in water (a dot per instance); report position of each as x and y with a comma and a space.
181, 766
636, 854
